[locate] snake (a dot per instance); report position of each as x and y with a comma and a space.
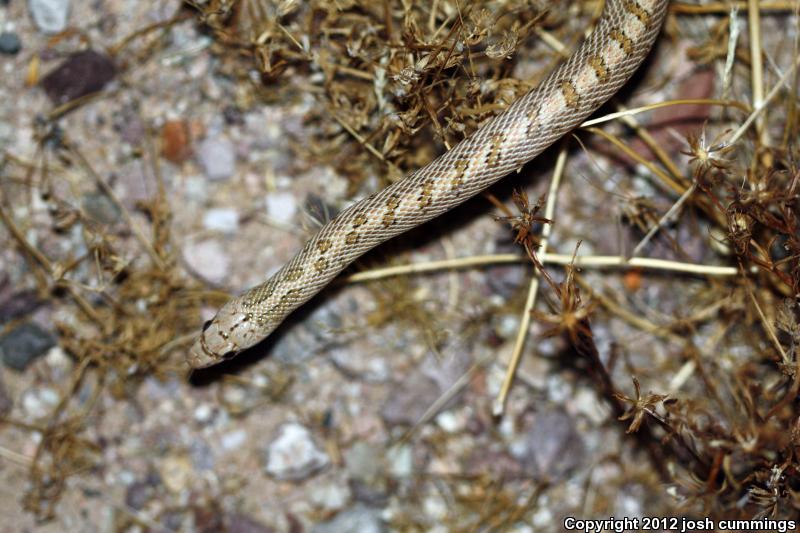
593, 73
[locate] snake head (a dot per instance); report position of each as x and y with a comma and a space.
230, 332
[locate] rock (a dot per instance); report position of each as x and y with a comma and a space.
100, 207
5, 400
234, 440
357, 519
361, 365
15, 304
294, 455
241, 523
50, 16
138, 494
176, 141
401, 460
217, 157
281, 207
221, 219
204, 413
409, 400
23, 344
10, 43
552, 447
39, 402
80, 74
176, 472
364, 463
208, 259
329, 496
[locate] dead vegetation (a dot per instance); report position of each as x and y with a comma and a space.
395, 83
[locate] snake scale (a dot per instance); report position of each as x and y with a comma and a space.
596, 70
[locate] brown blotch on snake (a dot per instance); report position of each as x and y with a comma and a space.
460, 168
495, 153
321, 264
323, 246
600, 69
619, 43
624, 41
426, 195
570, 94
637, 11
294, 274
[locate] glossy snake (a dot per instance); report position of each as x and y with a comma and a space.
598, 68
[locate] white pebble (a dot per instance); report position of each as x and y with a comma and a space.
294, 455
39, 402
50, 16
221, 219
217, 157
203, 413
208, 259
281, 207
234, 440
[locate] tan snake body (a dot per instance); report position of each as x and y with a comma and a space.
598, 68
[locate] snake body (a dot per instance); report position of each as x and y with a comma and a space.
592, 74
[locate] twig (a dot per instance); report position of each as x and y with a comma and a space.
664, 219
670, 103
725, 7
756, 65
663, 176
767, 325
533, 288
758, 110
588, 261
40, 259
109, 192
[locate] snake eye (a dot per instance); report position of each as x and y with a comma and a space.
228, 355
206, 325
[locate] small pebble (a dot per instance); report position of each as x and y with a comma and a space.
16, 304
5, 400
80, 74
409, 400
294, 455
176, 472
217, 157
9, 43
203, 413
138, 494
234, 440
329, 496
281, 207
450, 421
208, 259
49, 15
401, 460
7, 133
241, 523
24, 344
240, 398
357, 519
552, 447
363, 365
364, 462
100, 207
39, 402
221, 219
176, 144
